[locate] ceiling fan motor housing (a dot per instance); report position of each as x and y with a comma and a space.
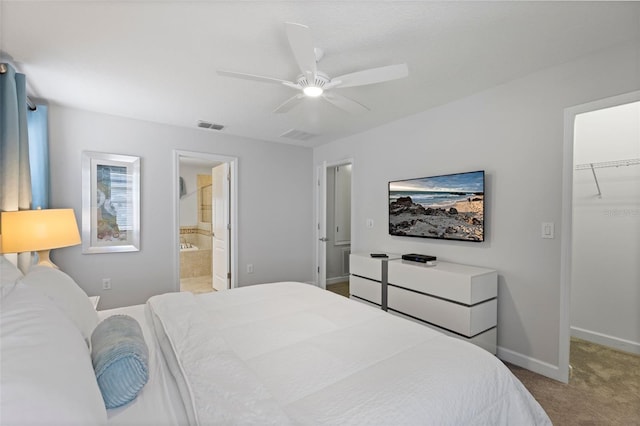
320, 80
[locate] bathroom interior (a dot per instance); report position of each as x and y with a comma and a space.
195, 226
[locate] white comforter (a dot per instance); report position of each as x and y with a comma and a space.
290, 353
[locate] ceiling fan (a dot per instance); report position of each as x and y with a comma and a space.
314, 83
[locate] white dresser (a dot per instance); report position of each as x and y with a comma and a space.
365, 281
458, 300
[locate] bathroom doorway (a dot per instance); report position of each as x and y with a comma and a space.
205, 218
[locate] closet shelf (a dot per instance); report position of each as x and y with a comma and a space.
594, 166
589, 166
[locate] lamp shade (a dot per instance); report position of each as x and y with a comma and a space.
37, 230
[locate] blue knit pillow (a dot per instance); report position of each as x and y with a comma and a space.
120, 359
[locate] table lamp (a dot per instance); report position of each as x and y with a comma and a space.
39, 231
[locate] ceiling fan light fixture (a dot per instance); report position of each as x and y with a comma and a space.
313, 91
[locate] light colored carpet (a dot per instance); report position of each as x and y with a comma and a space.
603, 390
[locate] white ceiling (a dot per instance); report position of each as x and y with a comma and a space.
157, 60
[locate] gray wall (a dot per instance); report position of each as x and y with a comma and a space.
274, 203
515, 133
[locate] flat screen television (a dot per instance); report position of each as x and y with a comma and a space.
449, 207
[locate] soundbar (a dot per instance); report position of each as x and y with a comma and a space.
422, 258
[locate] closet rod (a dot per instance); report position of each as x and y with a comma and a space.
590, 166
30, 103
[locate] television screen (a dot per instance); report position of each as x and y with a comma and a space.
447, 207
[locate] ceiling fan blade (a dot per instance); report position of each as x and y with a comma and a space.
253, 77
301, 44
372, 75
344, 103
289, 103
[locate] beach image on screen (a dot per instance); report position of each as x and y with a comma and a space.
447, 207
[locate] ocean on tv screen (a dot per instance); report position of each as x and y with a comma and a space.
445, 207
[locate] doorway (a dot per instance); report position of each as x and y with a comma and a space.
205, 218
334, 225
601, 205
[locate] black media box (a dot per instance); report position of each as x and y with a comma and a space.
422, 258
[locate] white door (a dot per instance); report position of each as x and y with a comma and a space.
220, 221
321, 213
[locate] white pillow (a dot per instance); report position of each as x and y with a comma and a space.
9, 273
66, 294
47, 376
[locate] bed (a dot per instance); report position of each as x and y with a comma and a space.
278, 353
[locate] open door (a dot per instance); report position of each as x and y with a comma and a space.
221, 181
321, 250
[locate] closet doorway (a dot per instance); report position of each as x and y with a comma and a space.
600, 301
205, 221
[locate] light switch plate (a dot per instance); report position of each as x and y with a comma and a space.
548, 230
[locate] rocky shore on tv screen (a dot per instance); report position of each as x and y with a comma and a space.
445, 207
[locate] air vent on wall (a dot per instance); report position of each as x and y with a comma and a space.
207, 125
298, 135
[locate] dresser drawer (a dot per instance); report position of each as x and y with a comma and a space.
365, 266
466, 320
365, 289
459, 283
364, 302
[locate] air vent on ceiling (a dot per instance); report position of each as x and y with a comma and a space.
298, 135
207, 125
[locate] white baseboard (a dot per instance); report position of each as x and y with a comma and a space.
337, 280
606, 340
535, 365
553, 371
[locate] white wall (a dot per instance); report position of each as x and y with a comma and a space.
605, 287
515, 133
274, 202
189, 202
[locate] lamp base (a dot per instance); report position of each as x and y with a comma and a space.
43, 259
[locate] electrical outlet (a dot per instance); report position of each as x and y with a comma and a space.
250, 268
106, 283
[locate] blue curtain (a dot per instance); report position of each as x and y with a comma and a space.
15, 176
39, 156
15, 187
